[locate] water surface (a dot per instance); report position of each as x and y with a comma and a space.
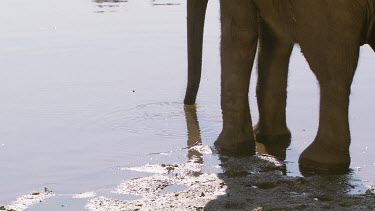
91, 86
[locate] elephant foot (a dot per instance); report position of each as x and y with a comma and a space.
323, 159
236, 142
281, 138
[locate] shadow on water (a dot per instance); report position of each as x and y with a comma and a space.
260, 182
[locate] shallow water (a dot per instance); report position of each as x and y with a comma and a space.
89, 87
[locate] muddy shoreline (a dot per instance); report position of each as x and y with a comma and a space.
251, 183
248, 183
256, 184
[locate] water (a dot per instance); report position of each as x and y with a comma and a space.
88, 87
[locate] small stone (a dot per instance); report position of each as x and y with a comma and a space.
35, 193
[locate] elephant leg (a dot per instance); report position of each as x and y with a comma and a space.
334, 65
238, 47
273, 62
196, 12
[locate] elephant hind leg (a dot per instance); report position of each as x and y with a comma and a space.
273, 62
334, 67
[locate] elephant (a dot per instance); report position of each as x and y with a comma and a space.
329, 34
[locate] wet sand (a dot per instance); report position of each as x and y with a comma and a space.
92, 103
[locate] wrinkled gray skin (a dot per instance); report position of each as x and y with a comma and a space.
329, 33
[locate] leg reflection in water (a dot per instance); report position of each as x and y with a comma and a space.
194, 134
276, 150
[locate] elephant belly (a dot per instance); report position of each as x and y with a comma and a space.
300, 19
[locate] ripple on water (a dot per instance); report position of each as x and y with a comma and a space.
161, 119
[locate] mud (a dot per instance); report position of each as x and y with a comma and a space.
244, 183
251, 183
28, 200
266, 188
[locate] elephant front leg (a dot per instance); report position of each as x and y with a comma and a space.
334, 69
238, 48
273, 62
329, 153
